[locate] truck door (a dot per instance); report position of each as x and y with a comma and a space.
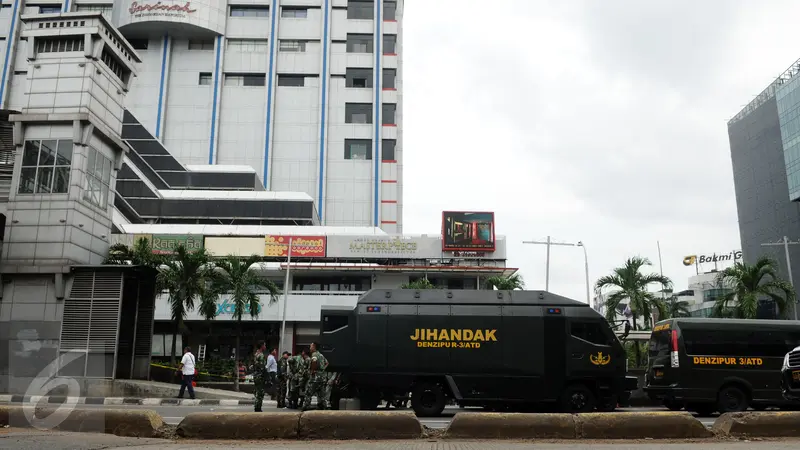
371, 337
475, 338
523, 342
554, 347
590, 350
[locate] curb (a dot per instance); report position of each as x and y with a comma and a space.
121, 401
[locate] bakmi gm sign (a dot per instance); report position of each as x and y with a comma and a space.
702, 259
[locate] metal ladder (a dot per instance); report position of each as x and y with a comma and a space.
201, 352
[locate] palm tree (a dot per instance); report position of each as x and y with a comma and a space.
672, 307
503, 283
750, 283
188, 278
422, 283
242, 284
632, 285
141, 254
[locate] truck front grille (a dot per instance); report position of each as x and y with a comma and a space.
794, 358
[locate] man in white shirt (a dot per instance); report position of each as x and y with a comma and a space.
187, 372
272, 372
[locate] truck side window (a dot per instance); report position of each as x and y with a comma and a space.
333, 323
590, 332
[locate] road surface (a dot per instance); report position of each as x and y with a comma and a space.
44, 440
174, 414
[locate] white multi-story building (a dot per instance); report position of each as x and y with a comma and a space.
307, 94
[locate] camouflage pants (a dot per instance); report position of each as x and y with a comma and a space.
260, 391
296, 388
315, 387
283, 384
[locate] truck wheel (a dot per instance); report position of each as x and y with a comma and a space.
672, 405
428, 400
577, 398
608, 404
732, 399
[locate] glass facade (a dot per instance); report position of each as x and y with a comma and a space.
788, 100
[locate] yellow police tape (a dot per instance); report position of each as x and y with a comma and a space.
162, 366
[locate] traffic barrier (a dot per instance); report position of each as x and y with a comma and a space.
511, 426
131, 423
359, 425
244, 425
643, 425
758, 424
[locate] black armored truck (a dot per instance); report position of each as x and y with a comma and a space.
495, 349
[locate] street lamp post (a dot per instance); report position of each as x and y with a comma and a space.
586, 266
548, 243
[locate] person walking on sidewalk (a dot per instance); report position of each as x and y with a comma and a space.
187, 373
259, 376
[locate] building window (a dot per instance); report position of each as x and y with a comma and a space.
104, 9
292, 46
48, 9
139, 44
360, 10
357, 149
388, 114
201, 45
294, 12
249, 11
205, 79
389, 76
387, 150
389, 10
59, 45
291, 80
358, 78
45, 167
358, 113
359, 43
389, 44
111, 61
247, 45
98, 178
245, 79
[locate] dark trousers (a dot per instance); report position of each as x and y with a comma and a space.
186, 382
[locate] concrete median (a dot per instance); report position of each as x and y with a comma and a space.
644, 425
248, 425
359, 425
758, 424
131, 423
511, 426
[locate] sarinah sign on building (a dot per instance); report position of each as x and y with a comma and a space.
140, 10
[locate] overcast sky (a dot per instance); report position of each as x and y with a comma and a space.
596, 120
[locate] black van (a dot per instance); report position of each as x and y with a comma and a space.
790, 376
725, 365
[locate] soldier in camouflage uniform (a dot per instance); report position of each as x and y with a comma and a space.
332, 382
283, 379
260, 376
297, 383
317, 379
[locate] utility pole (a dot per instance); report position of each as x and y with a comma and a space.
548, 243
786, 243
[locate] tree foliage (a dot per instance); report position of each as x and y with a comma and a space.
629, 283
749, 283
503, 283
422, 283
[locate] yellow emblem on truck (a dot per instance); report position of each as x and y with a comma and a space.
599, 359
452, 338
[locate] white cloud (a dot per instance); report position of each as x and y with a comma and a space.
601, 121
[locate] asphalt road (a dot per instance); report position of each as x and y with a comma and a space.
174, 414
44, 440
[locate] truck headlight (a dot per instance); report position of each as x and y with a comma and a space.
786, 361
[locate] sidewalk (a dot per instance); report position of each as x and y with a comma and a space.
19, 399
